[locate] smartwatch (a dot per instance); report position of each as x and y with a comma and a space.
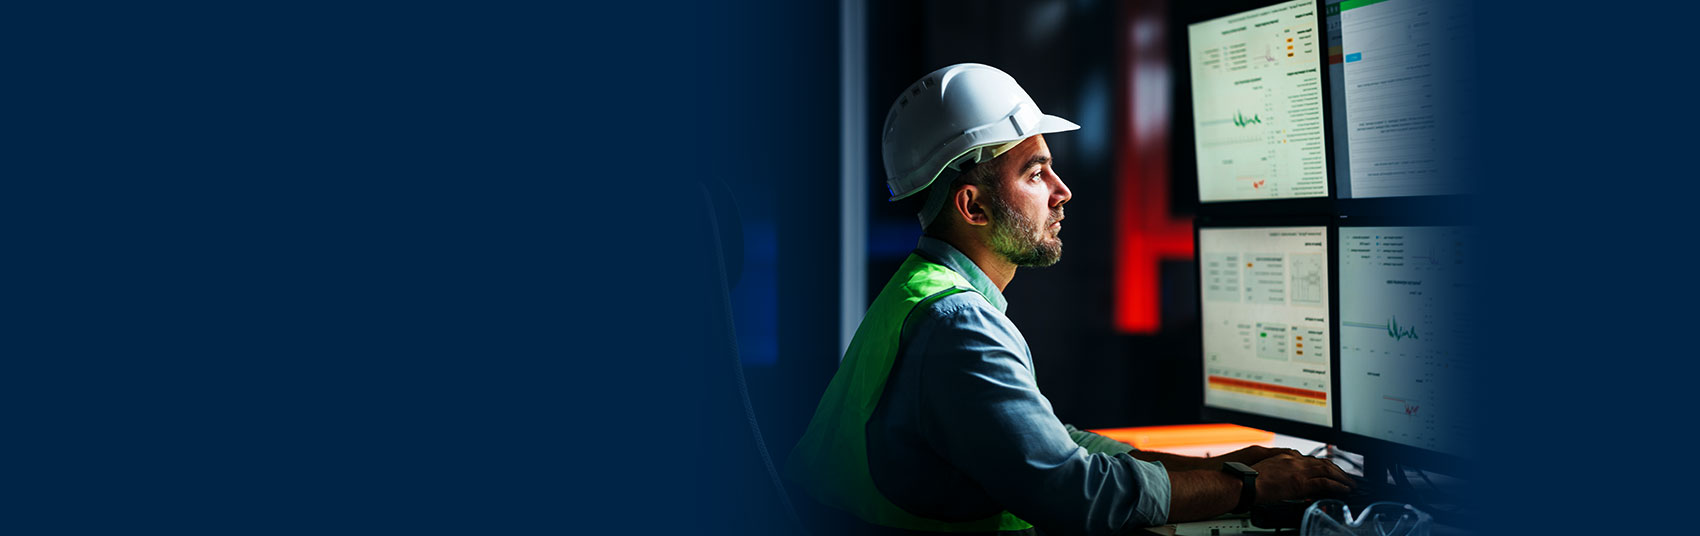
1248, 485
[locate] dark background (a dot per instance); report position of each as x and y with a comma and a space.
431, 268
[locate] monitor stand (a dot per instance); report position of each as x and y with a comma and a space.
1388, 481
1378, 472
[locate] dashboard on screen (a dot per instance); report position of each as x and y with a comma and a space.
1257, 100
1264, 294
1406, 336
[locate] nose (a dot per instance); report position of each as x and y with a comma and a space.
1060, 194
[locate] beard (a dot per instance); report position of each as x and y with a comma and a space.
1020, 240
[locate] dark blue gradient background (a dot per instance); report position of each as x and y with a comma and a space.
433, 268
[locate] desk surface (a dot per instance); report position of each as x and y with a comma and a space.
1346, 462
1237, 525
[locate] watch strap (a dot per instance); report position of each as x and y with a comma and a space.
1248, 485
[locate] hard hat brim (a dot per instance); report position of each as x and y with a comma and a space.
1051, 124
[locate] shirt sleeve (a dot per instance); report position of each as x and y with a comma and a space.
1095, 443
981, 409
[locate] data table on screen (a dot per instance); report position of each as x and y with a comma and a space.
1403, 96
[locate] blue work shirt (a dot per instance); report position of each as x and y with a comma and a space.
961, 431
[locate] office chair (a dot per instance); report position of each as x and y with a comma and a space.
757, 475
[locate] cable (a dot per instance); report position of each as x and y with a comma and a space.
1430, 483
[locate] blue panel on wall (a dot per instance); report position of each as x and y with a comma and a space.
887, 239
755, 301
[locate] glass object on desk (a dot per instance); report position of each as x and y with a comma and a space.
1329, 517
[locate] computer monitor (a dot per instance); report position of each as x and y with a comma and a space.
1406, 365
1400, 85
1264, 306
1257, 104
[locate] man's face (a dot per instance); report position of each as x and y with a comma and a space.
1027, 206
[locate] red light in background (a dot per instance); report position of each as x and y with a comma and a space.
1146, 233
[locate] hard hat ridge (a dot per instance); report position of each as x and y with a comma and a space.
951, 116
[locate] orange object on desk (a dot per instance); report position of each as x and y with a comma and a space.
1185, 435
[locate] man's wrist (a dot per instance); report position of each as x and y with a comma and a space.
1247, 477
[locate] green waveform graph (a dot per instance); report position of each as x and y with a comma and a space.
1398, 334
1240, 120
1392, 328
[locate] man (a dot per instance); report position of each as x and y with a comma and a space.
934, 421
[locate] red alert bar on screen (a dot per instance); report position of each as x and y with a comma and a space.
1269, 390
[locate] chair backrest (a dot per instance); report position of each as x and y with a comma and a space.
749, 454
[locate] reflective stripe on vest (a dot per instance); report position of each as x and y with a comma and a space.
831, 460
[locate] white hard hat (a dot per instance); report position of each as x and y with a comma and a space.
964, 113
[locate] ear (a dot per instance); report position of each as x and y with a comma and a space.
968, 203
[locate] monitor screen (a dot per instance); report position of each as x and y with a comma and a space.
1400, 74
1265, 316
1405, 336
1257, 104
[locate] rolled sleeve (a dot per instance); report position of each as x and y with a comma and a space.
1095, 443
982, 410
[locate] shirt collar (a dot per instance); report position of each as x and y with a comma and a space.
943, 253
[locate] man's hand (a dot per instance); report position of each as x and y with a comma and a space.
1287, 475
1249, 456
